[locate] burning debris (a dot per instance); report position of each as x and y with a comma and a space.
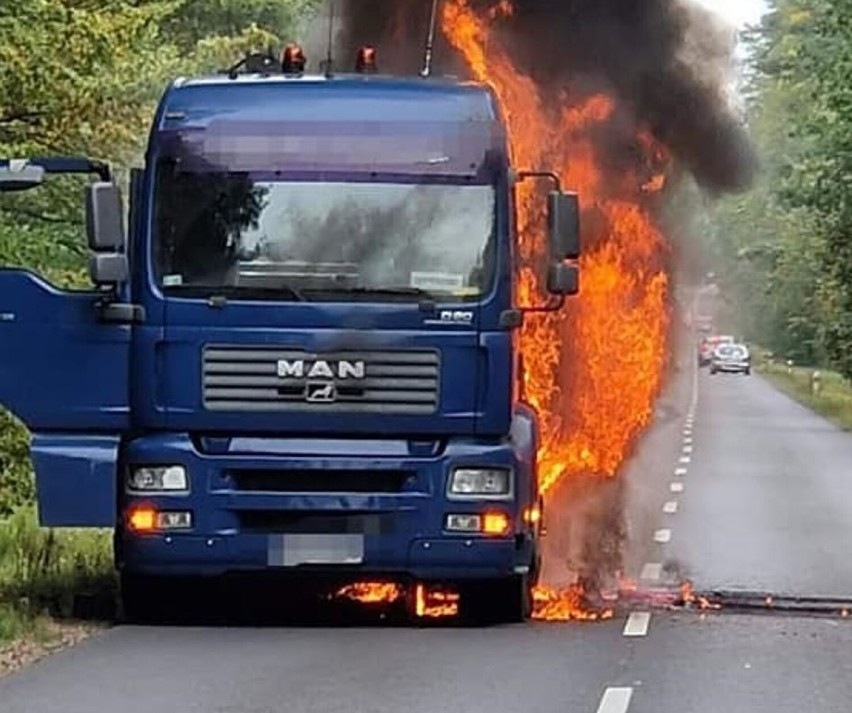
371, 592
435, 602
429, 601
568, 604
618, 97
689, 598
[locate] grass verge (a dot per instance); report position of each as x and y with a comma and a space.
50, 575
833, 399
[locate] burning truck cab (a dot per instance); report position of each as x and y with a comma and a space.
302, 358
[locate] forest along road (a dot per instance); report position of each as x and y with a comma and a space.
762, 506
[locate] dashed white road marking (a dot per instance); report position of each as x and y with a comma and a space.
687, 449
676, 487
615, 700
663, 535
670, 507
684, 459
687, 431
637, 624
651, 572
687, 440
680, 471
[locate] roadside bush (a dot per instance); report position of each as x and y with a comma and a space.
43, 570
17, 486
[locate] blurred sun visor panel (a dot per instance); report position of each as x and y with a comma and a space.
473, 151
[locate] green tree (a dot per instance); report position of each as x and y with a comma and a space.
83, 77
204, 19
784, 247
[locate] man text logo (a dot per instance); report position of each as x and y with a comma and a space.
320, 369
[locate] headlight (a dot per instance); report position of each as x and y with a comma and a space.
148, 478
495, 483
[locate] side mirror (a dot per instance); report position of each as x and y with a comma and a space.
563, 225
18, 175
563, 279
108, 268
104, 219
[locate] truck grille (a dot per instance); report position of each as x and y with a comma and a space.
321, 480
274, 379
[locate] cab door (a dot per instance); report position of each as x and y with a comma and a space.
64, 363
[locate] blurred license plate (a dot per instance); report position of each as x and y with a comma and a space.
295, 550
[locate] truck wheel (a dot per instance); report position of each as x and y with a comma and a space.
513, 598
145, 600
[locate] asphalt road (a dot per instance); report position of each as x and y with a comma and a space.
762, 507
767, 500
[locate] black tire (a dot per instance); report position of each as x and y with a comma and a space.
513, 598
138, 600
149, 600
747, 372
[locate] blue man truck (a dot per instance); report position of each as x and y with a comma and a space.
299, 355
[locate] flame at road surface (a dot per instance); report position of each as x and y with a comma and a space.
371, 592
430, 602
690, 598
567, 604
593, 369
434, 602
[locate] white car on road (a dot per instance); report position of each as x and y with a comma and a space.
731, 358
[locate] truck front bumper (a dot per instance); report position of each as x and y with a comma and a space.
399, 532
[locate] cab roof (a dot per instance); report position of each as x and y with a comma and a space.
317, 98
350, 124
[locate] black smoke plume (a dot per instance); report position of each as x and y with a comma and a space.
666, 60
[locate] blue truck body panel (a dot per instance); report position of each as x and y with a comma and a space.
76, 478
395, 525
103, 399
60, 369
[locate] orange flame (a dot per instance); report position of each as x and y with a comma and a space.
371, 592
565, 605
434, 603
689, 597
592, 370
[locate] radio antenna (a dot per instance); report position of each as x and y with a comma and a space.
329, 60
430, 41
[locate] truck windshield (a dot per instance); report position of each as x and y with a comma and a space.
256, 238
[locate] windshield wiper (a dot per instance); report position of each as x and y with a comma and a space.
390, 291
218, 295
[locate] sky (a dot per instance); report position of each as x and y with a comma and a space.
737, 12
